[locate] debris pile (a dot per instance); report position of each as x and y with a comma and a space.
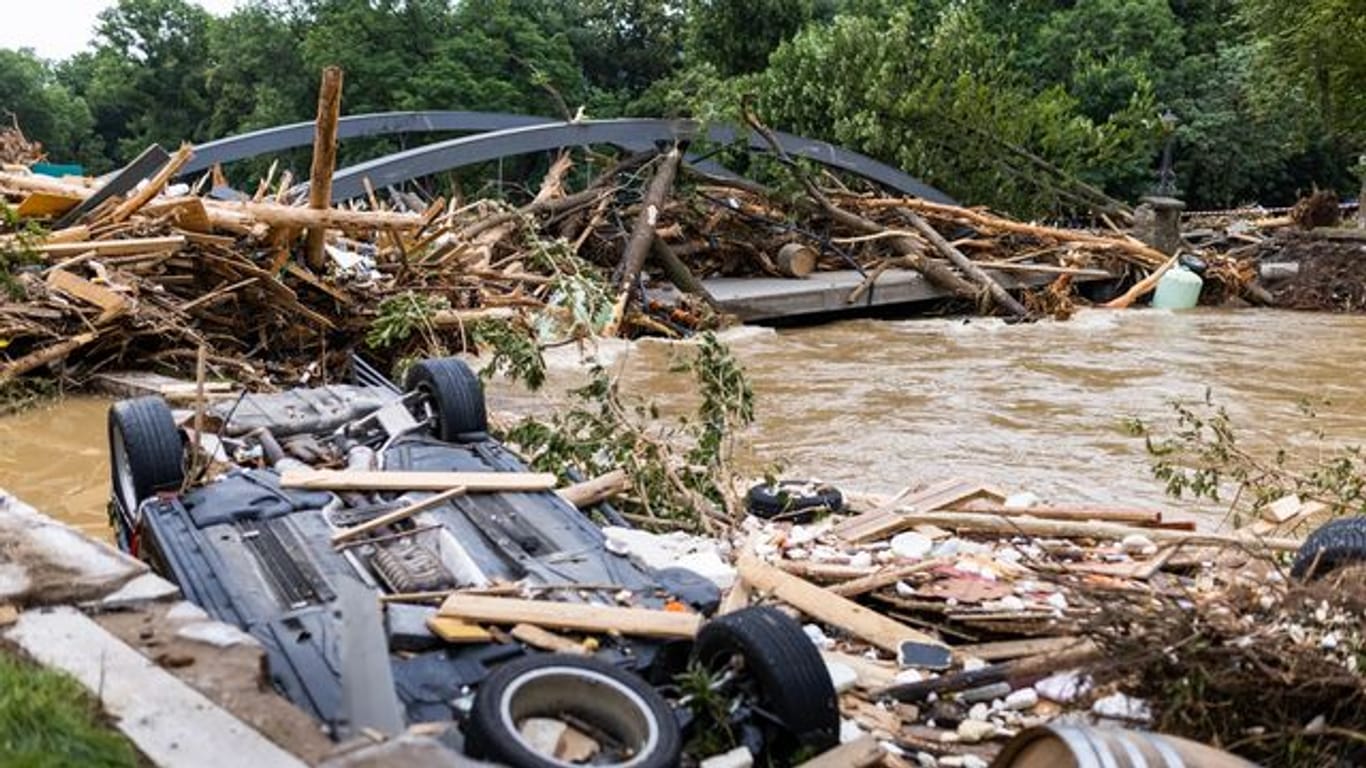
953, 618
136, 270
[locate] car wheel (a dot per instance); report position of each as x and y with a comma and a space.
146, 454
453, 397
631, 725
1333, 545
790, 680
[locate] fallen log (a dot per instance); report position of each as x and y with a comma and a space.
600, 488
643, 234
998, 294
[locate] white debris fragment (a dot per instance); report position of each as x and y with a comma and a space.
861, 560
1057, 600
1121, 707
912, 545
972, 663
849, 731
1022, 500
842, 676
740, 757
818, 637
215, 633
1137, 544
1064, 687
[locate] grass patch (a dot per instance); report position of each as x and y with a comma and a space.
47, 720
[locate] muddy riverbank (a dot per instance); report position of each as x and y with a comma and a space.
880, 405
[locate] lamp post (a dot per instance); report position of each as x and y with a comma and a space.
1166, 177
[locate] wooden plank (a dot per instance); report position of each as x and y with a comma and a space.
544, 639
398, 515
154, 185
42, 205
1014, 649
862, 752
136, 245
112, 304
473, 482
1143, 517
600, 488
824, 606
581, 617
884, 522
886, 577
457, 631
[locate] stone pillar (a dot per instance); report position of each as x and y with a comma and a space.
1157, 222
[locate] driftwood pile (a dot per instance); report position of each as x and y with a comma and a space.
278, 293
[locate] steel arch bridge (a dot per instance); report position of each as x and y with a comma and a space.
494, 135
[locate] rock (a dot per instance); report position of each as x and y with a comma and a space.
926, 760
861, 560
740, 757
1137, 544
985, 693
911, 545
973, 730
1025, 698
980, 711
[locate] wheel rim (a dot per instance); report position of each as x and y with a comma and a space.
593, 698
124, 488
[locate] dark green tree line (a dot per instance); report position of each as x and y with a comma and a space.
1020, 104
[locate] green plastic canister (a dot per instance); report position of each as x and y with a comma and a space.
1178, 289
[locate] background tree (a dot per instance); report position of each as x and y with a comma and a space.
737, 36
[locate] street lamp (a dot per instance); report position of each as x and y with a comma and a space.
1166, 177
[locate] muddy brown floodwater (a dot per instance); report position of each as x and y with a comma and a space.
879, 405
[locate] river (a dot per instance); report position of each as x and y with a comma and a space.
879, 405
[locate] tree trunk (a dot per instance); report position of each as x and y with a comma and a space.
324, 159
643, 234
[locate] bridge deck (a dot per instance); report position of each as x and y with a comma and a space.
773, 298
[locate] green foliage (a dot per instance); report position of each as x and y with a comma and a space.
1201, 457
736, 36
515, 352
47, 720
403, 315
974, 96
47, 110
16, 248
679, 469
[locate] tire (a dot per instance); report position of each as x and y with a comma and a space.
454, 395
1333, 545
146, 454
792, 681
795, 500
599, 694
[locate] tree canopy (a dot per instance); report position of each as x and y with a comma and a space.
1029, 106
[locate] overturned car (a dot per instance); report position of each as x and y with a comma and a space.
343, 585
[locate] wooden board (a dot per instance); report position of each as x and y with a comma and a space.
457, 631
111, 303
473, 482
827, 607
398, 515
42, 205
113, 247
537, 637
881, 523
581, 617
